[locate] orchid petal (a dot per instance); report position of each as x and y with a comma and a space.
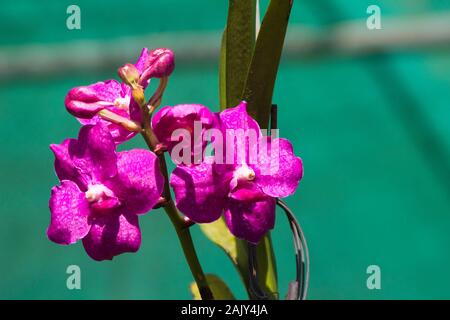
69, 214
250, 220
94, 152
199, 192
64, 166
241, 133
279, 171
112, 234
139, 182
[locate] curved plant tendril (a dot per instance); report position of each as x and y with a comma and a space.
298, 289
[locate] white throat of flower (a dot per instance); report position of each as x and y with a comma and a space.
122, 103
96, 191
244, 172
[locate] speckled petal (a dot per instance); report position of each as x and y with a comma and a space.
112, 234
199, 192
246, 191
250, 220
95, 152
139, 182
64, 167
69, 214
118, 132
240, 132
238, 118
279, 171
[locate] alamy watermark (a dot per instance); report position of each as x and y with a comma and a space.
374, 280
73, 21
373, 22
230, 146
73, 281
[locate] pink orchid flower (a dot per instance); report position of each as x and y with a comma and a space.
101, 193
245, 190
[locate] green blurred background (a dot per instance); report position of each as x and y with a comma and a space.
372, 127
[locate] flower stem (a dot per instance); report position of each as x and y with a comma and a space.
184, 235
177, 220
182, 231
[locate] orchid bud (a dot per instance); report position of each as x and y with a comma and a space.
159, 64
129, 74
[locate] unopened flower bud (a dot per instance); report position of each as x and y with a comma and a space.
159, 63
129, 74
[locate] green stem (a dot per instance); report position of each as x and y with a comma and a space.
177, 220
184, 235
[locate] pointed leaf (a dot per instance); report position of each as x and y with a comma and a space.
222, 72
240, 42
267, 269
266, 58
236, 249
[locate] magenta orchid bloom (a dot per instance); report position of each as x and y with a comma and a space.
245, 190
184, 118
86, 102
101, 194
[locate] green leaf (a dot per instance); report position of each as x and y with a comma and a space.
266, 58
218, 287
222, 72
267, 269
236, 249
239, 44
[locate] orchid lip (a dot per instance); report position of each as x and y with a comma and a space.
96, 192
121, 103
244, 173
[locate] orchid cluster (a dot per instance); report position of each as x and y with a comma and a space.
225, 165
101, 191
